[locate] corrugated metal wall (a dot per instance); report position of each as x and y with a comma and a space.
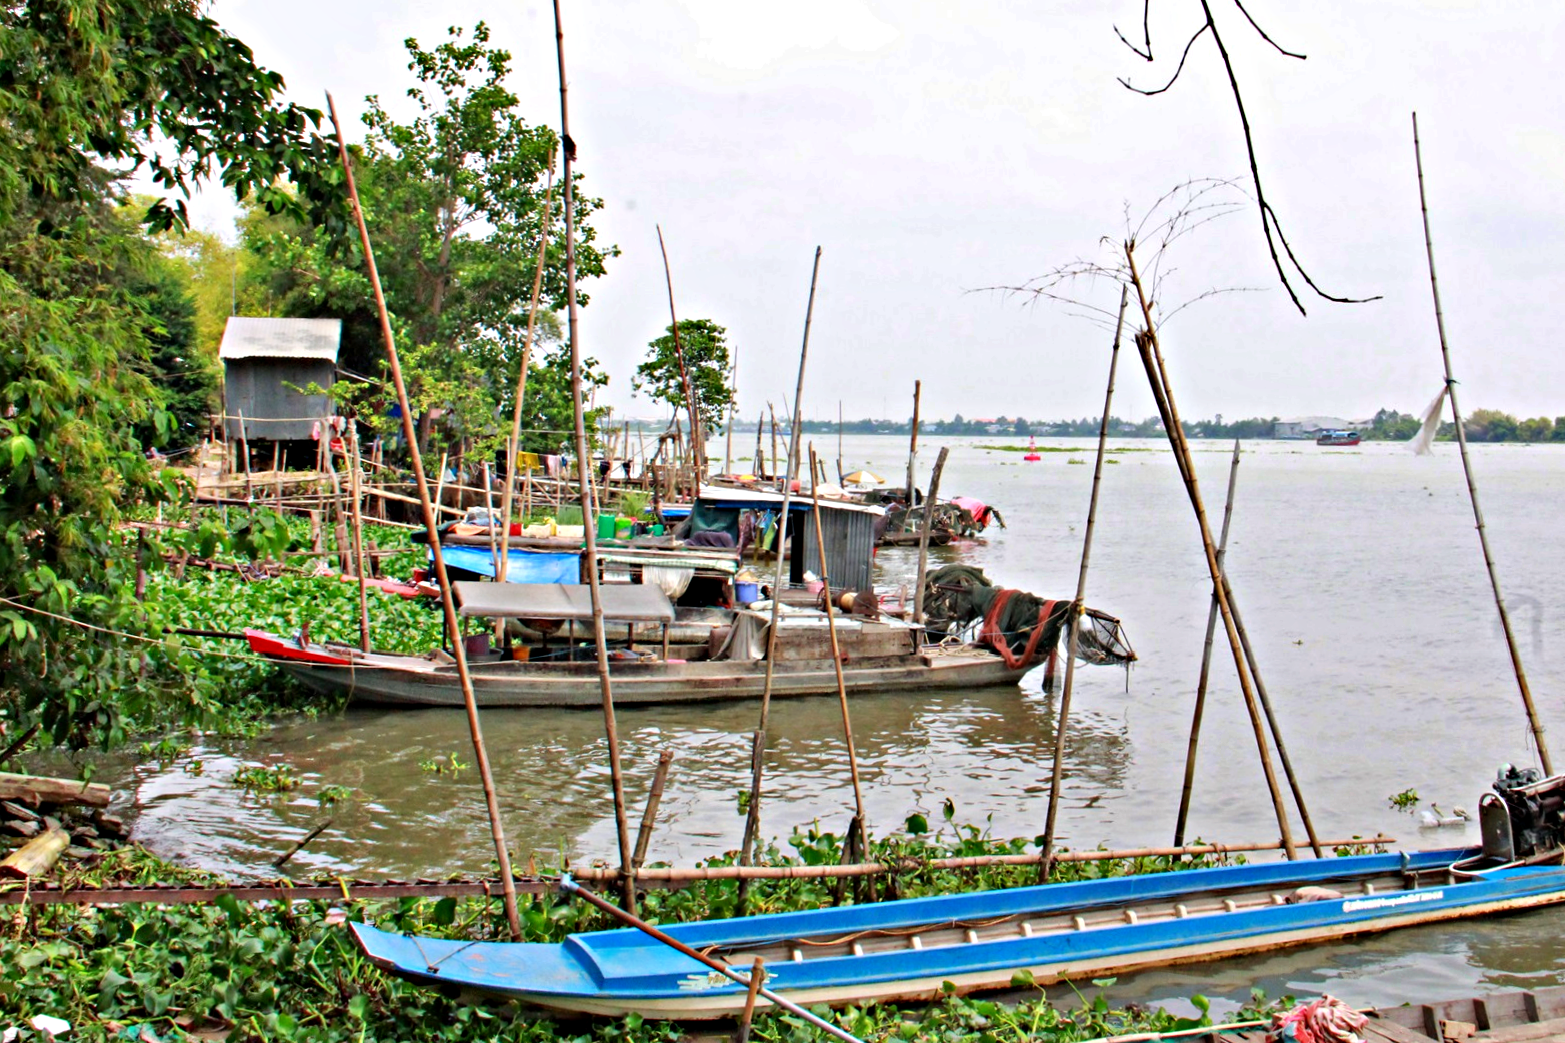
850, 546
262, 390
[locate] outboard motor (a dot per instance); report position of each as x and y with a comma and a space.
1524, 816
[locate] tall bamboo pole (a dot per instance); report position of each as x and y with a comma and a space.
514, 443
1062, 720
590, 548
1162, 394
1533, 720
697, 432
1197, 716
839, 441
924, 531
447, 595
836, 654
358, 536
752, 820
728, 445
912, 453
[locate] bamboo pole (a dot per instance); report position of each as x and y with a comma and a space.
760, 458
912, 452
836, 653
650, 814
757, 759
679, 875
583, 463
839, 441
697, 432
1183, 818
440, 489
1162, 394
447, 595
728, 444
358, 536
757, 979
925, 530
1534, 722
570, 886
514, 444
1062, 719
37, 856
1271, 723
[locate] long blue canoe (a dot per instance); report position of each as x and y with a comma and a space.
910, 949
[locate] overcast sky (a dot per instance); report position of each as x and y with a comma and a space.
936, 149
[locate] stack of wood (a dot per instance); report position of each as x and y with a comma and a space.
45, 819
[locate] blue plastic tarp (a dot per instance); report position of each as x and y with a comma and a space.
522, 566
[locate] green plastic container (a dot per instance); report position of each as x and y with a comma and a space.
606, 526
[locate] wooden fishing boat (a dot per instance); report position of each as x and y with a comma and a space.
1337, 438
658, 655
918, 949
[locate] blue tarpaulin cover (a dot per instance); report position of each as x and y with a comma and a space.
523, 566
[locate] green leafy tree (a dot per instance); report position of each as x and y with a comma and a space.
454, 199
1490, 425
1537, 429
87, 91
706, 362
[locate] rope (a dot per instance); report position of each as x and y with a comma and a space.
121, 633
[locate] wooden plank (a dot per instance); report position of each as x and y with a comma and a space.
1554, 1029
35, 857
1381, 1028
36, 788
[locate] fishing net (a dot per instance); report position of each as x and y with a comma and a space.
1021, 627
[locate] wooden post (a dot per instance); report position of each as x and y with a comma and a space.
514, 443
923, 535
752, 820
839, 441
1162, 394
836, 652
1062, 719
499, 543
697, 432
583, 463
760, 457
440, 487
1183, 818
654, 798
1534, 722
352, 434
244, 451
34, 858
447, 595
728, 444
757, 979
912, 453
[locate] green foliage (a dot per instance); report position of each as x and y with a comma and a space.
706, 364
291, 971
262, 778
1405, 801
454, 200
90, 320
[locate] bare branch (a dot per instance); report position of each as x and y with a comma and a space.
1280, 48
1146, 31
1172, 79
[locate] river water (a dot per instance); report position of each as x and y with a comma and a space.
1359, 576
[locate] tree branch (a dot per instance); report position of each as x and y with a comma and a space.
1146, 31
1189, 44
1280, 48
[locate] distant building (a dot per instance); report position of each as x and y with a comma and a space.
1310, 426
265, 363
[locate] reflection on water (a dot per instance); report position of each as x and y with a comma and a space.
1361, 583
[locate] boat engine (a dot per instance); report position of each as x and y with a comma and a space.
1524, 816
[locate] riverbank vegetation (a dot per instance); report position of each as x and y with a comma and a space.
290, 971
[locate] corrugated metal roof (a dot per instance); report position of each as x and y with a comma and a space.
245, 338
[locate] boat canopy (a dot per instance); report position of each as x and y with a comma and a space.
623, 602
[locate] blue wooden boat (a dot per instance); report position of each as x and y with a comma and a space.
908, 950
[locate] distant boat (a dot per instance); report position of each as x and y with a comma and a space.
1032, 449
1337, 438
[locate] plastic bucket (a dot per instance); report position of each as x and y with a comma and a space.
606, 526
745, 593
655, 529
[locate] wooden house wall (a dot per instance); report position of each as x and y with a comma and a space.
263, 391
